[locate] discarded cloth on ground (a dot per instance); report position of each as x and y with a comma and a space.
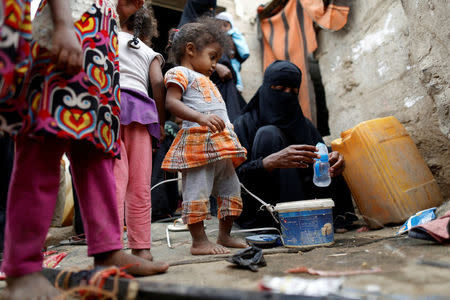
251, 258
437, 230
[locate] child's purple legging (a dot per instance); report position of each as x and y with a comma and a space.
32, 198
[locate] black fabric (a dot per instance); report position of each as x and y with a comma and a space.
272, 121
195, 9
164, 197
249, 258
282, 185
233, 99
6, 166
272, 107
78, 226
285, 112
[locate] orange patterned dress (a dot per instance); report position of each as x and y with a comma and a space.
196, 145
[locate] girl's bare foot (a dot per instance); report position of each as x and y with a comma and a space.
228, 241
200, 243
207, 247
143, 253
138, 265
27, 287
224, 237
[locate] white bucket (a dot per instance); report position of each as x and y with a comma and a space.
306, 223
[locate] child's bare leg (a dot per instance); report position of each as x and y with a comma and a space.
143, 253
200, 243
138, 265
224, 238
27, 287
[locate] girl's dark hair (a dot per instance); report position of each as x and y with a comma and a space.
144, 25
202, 33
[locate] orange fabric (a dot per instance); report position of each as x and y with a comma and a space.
332, 17
177, 77
197, 211
198, 146
229, 206
289, 35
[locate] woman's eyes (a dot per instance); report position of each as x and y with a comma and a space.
285, 89
277, 87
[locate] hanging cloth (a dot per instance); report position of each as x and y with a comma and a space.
288, 34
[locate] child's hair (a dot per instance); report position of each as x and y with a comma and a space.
202, 33
144, 25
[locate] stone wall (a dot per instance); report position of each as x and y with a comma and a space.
392, 58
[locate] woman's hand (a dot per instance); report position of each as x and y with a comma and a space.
214, 122
293, 156
223, 72
337, 163
66, 50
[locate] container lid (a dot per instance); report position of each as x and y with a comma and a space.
263, 239
305, 204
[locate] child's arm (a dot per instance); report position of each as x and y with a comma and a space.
66, 49
181, 110
125, 8
157, 82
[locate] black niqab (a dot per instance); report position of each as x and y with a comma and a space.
274, 107
195, 9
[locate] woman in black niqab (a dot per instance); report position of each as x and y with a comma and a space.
273, 125
285, 113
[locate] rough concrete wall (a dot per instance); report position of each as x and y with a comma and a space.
244, 14
392, 58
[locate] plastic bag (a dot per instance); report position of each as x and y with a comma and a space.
251, 258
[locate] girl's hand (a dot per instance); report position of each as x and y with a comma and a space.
66, 50
214, 122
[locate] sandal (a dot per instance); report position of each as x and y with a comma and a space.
75, 240
178, 225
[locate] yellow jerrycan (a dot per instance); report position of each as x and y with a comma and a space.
385, 172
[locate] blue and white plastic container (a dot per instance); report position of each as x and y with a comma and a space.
306, 223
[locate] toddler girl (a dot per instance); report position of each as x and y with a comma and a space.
72, 95
206, 150
139, 65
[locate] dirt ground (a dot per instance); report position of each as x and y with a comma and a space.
399, 258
